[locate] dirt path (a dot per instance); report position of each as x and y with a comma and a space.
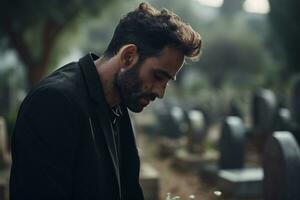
173, 181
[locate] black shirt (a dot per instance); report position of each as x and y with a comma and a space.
116, 114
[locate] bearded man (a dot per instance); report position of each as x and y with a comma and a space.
73, 138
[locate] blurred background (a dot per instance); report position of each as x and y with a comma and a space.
250, 49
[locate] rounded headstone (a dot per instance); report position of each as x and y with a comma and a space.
179, 121
168, 120
205, 112
232, 143
197, 131
235, 110
197, 125
172, 120
296, 101
264, 108
283, 120
281, 165
162, 116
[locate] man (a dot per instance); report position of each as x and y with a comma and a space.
73, 139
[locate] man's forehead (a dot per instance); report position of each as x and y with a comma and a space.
172, 64
169, 62
170, 71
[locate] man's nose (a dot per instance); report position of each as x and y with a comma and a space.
159, 91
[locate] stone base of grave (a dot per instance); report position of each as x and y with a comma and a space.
191, 162
168, 147
236, 183
149, 180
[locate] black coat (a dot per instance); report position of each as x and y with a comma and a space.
62, 146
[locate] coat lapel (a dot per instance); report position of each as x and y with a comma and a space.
107, 130
96, 93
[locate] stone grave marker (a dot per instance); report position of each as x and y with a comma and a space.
296, 101
232, 144
192, 156
197, 130
264, 108
172, 121
180, 120
295, 110
235, 110
264, 113
281, 166
149, 180
174, 126
230, 174
269, 116
234, 178
283, 120
161, 111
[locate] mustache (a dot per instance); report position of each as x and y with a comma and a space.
147, 95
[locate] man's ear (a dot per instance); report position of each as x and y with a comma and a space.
128, 55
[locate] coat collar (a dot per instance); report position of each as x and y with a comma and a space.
92, 78
96, 93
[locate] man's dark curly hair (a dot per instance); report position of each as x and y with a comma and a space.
152, 30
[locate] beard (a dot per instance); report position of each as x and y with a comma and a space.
130, 88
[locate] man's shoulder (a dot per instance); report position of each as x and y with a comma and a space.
65, 77
66, 80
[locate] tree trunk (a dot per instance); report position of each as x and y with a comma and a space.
35, 74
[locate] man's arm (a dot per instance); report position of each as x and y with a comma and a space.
43, 147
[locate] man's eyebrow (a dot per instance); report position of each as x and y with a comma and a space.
163, 72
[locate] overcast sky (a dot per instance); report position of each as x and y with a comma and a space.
254, 6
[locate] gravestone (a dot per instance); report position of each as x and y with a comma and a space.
180, 120
149, 180
197, 130
172, 121
283, 120
234, 109
192, 156
264, 111
230, 174
240, 183
232, 144
264, 108
295, 108
296, 101
161, 110
281, 166
269, 116
174, 125
234, 178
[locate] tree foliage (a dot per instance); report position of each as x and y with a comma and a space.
33, 27
285, 21
231, 7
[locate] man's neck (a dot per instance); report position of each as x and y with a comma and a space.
108, 70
